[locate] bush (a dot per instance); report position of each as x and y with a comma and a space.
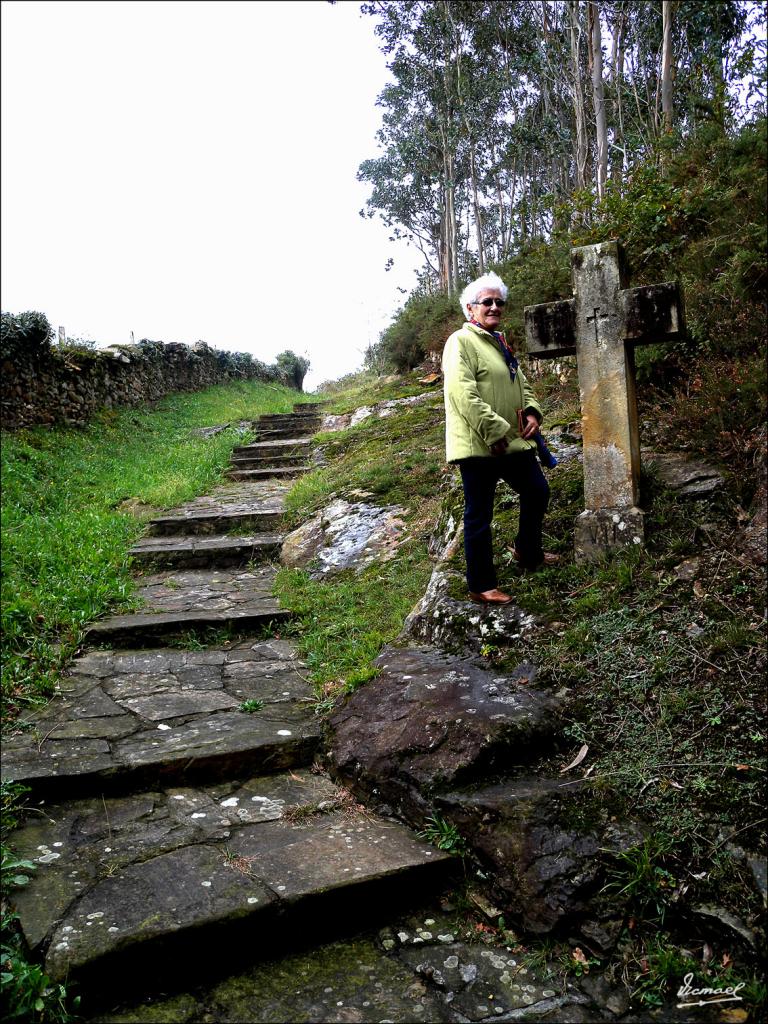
292, 368
421, 327
24, 335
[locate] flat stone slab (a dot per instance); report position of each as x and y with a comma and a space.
139, 716
208, 589
178, 601
276, 433
248, 460
690, 477
298, 420
146, 877
188, 552
420, 967
228, 497
255, 505
215, 522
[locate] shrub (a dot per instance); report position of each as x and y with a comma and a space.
292, 368
24, 335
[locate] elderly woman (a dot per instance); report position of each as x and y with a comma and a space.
491, 417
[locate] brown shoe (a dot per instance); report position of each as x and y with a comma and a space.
550, 558
491, 597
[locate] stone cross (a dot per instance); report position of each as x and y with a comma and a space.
601, 325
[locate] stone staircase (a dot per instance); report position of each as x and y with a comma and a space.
177, 822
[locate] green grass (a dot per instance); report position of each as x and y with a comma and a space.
343, 622
73, 502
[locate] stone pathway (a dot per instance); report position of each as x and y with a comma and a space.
177, 822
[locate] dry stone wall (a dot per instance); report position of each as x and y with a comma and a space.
67, 386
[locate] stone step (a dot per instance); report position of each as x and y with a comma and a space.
133, 718
147, 889
288, 446
244, 460
287, 433
282, 420
178, 603
156, 628
206, 523
193, 552
272, 473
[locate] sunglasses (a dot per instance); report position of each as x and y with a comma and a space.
501, 303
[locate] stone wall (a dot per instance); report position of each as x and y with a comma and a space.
47, 385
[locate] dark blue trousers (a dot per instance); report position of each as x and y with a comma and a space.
479, 475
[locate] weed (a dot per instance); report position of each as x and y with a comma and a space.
444, 836
28, 994
251, 706
239, 863
300, 813
577, 963
639, 879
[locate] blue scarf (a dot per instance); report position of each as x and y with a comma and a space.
504, 347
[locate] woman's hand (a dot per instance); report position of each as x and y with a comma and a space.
530, 427
500, 446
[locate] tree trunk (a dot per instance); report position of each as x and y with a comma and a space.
476, 204
581, 154
598, 95
667, 68
618, 161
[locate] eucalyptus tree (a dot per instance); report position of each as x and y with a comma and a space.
425, 47
503, 116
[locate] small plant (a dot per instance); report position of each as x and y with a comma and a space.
251, 706
14, 871
577, 963
28, 994
444, 836
639, 877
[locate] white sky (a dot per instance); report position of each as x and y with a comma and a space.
186, 170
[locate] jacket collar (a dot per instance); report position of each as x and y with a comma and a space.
481, 331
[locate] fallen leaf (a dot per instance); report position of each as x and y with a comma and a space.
727, 960
578, 956
698, 590
577, 760
706, 954
733, 1016
742, 767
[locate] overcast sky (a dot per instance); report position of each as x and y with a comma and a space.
186, 170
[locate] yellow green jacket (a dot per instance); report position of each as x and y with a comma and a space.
481, 401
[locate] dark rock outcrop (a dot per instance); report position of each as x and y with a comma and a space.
437, 735
432, 721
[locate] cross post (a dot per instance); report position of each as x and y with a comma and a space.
601, 325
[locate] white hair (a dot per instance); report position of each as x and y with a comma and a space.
488, 282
